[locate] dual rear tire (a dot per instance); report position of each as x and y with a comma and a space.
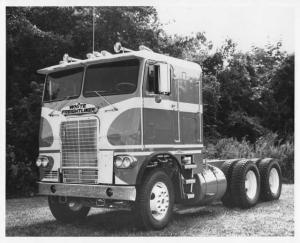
271, 180
247, 182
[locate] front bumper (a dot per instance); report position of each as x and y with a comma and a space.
127, 193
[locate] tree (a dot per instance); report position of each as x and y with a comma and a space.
280, 103
38, 37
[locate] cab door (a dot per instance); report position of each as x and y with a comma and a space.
189, 107
159, 105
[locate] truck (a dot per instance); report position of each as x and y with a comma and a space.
125, 131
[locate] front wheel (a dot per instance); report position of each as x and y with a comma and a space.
155, 200
68, 211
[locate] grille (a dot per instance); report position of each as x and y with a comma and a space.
51, 175
79, 151
88, 176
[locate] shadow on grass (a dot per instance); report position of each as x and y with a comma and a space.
111, 223
95, 224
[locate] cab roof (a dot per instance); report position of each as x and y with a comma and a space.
144, 54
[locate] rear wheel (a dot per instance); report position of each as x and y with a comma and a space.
227, 168
245, 184
271, 180
155, 200
68, 211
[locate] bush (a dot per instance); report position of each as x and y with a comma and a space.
271, 146
20, 176
266, 146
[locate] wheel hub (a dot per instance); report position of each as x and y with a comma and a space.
251, 184
74, 206
159, 200
274, 181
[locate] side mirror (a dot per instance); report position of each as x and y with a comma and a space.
164, 81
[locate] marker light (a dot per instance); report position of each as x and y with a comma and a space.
186, 159
90, 56
66, 57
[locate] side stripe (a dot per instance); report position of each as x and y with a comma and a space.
174, 146
171, 105
146, 153
154, 146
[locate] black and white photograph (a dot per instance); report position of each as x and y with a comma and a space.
149, 119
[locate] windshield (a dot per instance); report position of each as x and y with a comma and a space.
63, 85
111, 78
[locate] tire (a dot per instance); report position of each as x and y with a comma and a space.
64, 213
245, 184
271, 180
227, 168
153, 212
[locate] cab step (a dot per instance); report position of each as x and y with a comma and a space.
189, 195
189, 181
189, 166
187, 209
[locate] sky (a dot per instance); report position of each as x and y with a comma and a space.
246, 25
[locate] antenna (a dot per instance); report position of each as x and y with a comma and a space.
93, 29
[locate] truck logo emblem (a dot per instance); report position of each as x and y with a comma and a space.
78, 109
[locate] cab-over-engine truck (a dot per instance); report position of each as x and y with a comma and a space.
125, 131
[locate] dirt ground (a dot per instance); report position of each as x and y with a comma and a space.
32, 217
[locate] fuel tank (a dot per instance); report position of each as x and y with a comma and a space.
210, 185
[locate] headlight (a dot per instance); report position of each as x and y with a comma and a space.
124, 161
38, 162
42, 161
45, 161
118, 161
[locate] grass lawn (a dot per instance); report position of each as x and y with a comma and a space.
31, 217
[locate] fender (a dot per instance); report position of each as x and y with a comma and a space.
148, 159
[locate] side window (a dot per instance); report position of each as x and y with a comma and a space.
159, 78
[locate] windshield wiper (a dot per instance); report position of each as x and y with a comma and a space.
69, 97
101, 96
66, 98
63, 99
